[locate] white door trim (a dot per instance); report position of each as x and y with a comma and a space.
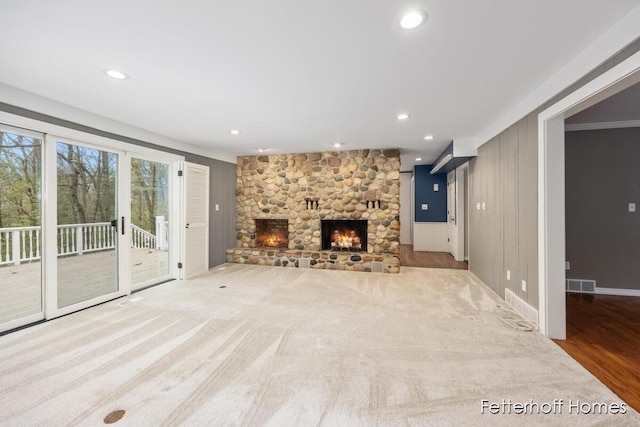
551, 208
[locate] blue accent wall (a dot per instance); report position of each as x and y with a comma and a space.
437, 200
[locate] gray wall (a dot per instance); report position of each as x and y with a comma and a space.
504, 235
602, 176
222, 182
504, 176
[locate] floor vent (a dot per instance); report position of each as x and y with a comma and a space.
522, 307
304, 263
580, 285
129, 301
377, 267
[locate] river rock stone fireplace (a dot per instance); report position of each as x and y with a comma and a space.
306, 190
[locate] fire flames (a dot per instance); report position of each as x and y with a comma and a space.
272, 241
346, 240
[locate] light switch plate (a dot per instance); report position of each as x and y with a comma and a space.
632, 207
524, 286
484, 206
508, 275
436, 187
217, 207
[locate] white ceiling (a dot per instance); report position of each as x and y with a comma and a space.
297, 76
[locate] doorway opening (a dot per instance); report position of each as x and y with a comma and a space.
551, 188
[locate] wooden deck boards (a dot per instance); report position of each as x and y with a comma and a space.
80, 278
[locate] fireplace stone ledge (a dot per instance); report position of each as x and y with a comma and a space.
329, 260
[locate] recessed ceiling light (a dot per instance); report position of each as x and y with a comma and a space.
115, 74
428, 137
261, 150
235, 132
403, 116
413, 19
418, 159
338, 144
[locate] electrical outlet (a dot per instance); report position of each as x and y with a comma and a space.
508, 275
425, 207
524, 286
567, 265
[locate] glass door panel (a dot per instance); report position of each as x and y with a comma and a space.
20, 227
150, 235
88, 223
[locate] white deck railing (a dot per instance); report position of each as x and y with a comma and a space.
22, 244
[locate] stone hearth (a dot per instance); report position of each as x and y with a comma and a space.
329, 260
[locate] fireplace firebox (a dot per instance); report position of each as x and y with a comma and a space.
349, 235
272, 233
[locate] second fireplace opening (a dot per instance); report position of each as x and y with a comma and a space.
348, 235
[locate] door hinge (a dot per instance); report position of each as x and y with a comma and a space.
179, 173
179, 265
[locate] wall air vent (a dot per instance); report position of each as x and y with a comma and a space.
304, 263
581, 285
377, 267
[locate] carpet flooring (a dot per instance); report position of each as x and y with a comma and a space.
294, 347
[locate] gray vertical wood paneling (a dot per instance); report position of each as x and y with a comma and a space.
222, 223
509, 160
529, 206
508, 183
504, 236
495, 217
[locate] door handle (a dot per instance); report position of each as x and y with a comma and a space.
114, 223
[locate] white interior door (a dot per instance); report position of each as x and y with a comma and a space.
196, 220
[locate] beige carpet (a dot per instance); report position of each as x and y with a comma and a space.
293, 347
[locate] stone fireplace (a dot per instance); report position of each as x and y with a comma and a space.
272, 233
305, 190
344, 235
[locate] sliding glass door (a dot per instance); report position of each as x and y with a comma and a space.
20, 227
150, 223
82, 221
90, 226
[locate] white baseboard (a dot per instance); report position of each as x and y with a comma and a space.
618, 291
588, 286
521, 306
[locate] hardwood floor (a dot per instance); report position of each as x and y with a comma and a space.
603, 335
411, 258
